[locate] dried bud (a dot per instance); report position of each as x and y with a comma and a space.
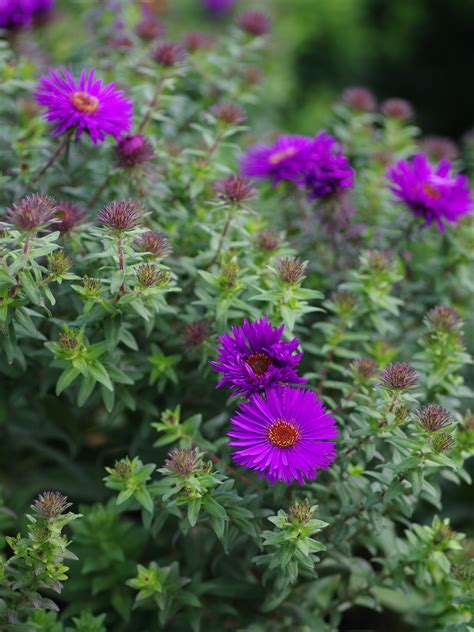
91, 286
69, 339
163, 277
196, 333
69, 216
150, 28
133, 150
153, 243
32, 212
230, 273
195, 41
399, 376
443, 533
268, 240
291, 270
120, 42
439, 148
183, 461
359, 98
51, 504
123, 468
235, 189
254, 23
442, 442
443, 317
228, 113
147, 275
121, 216
58, 264
376, 260
365, 368
253, 75
167, 54
301, 511
434, 417
397, 109
344, 300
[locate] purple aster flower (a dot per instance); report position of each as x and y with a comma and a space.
15, 14
284, 435
431, 192
85, 105
284, 160
218, 7
327, 170
254, 357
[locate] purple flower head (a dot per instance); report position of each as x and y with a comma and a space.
84, 105
284, 435
284, 160
15, 14
327, 170
254, 357
431, 192
218, 7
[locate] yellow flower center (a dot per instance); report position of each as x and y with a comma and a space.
84, 102
283, 434
431, 191
259, 363
278, 156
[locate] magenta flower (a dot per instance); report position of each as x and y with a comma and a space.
431, 192
284, 160
327, 170
84, 105
284, 435
15, 14
254, 357
218, 7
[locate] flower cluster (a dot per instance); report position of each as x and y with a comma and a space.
281, 432
317, 164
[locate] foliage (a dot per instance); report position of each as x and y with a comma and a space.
106, 338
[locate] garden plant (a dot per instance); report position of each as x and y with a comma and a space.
234, 361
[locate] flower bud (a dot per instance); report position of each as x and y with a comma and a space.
301, 511
268, 240
359, 98
399, 376
228, 113
443, 318
365, 368
196, 333
291, 270
434, 417
234, 189
442, 442
121, 216
183, 461
254, 23
167, 54
51, 504
397, 109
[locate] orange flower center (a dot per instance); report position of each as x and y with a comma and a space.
259, 363
283, 434
431, 191
278, 156
84, 102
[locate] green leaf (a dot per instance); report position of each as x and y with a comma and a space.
66, 378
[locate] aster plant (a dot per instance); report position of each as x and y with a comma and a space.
191, 247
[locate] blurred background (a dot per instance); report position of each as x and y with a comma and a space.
421, 50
